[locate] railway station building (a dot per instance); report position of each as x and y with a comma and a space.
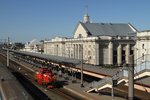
97, 43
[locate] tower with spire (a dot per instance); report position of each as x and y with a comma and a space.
86, 18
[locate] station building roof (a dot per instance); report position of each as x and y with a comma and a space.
109, 29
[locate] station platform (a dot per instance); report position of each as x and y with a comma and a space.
95, 70
75, 87
10, 88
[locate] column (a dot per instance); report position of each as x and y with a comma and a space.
55, 50
70, 51
73, 50
97, 54
45, 48
63, 50
127, 53
78, 51
110, 53
135, 52
119, 55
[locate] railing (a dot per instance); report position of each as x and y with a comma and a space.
106, 80
139, 64
96, 84
103, 81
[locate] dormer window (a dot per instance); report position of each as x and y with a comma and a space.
80, 36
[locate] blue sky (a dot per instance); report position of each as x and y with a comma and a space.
24, 20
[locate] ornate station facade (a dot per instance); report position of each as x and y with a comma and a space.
97, 43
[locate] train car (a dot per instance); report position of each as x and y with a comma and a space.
44, 76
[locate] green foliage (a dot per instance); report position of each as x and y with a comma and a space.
18, 46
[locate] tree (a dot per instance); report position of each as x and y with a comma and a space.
18, 46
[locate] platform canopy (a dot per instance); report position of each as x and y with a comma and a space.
56, 59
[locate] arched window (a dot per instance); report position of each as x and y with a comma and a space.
142, 46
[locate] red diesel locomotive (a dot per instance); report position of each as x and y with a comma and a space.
44, 76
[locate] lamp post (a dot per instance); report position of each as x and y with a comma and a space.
8, 52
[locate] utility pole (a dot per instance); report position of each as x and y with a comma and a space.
112, 90
8, 52
82, 65
131, 78
114, 84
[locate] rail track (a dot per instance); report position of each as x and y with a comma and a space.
26, 78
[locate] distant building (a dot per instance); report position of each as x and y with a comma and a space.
100, 43
34, 46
